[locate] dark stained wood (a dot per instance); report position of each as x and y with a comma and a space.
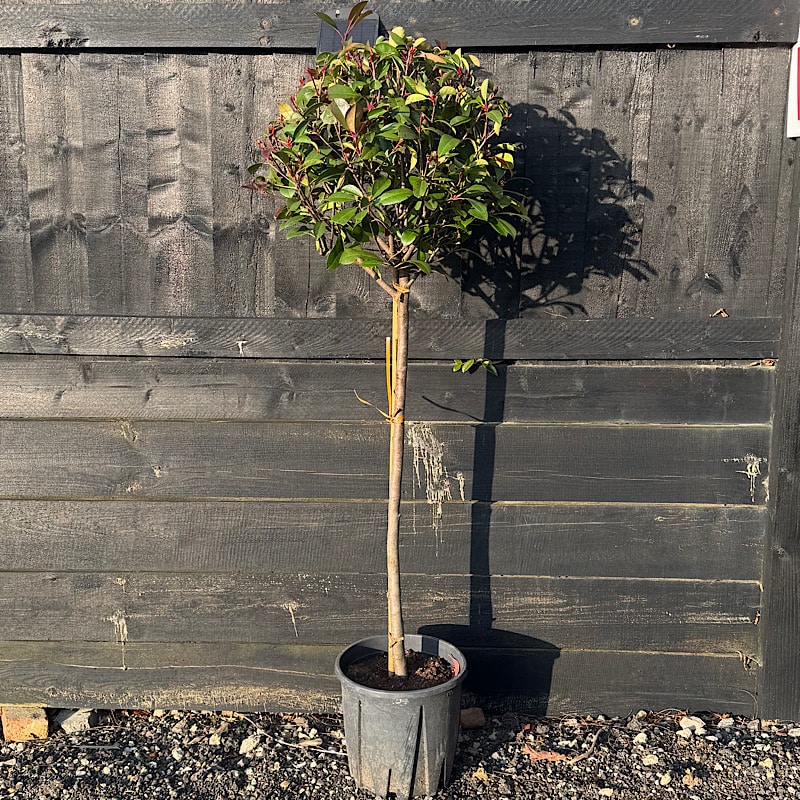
179, 200
528, 339
606, 463
52, 92
160, 389
114, 147
298, 677
475, 23
780, 686
669, 541
687, 616
16, 274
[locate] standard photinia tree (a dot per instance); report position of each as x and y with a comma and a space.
387, 155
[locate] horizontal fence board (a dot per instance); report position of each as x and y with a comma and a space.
474, 23
158, 389
593, 613
532, 339
254, 677
629, 463
669, 541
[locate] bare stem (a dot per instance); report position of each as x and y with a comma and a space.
397, 427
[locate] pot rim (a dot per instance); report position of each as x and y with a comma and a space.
431, 690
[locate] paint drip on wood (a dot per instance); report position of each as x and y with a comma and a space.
430, 473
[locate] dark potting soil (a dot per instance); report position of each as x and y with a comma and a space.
424, 671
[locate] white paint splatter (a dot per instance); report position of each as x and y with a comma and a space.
120, 631
291, 608
752, 469
430, 473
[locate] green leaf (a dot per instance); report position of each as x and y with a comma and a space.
335, 254
416, 98
468, 365
502, 227
489, 366
419, 185
457, 365
446, 144
319, 229
293, 233
338, 114
380, 186
350, 255
478, 210
344, 216
408, 236
340, 91
393, 196
325, 18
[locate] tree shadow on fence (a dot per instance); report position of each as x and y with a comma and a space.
581, 198
583, 204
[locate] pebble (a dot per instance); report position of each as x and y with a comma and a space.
693, 724
640, 738
472, 718
249, 744
726, 722
793, 732
177, 753
649, 759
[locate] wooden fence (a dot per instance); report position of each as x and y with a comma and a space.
191, 499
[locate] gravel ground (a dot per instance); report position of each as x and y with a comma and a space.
154, 755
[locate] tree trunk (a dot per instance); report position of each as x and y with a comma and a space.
397, 653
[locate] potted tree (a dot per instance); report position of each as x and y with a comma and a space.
388, 156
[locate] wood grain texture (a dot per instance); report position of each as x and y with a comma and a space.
780, 685
16, 270
670, 541
290, 25
297, 677
52, 93
669, 615
179, 184
687, 338
159, 389
628, 463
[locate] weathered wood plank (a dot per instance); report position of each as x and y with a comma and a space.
667, 615
16, 271
56, 191
470, 23
295, 677
180, 210
780, 685
616, 463
670, 541
745, 181
683, 138
63, 387
527, 339
115, 205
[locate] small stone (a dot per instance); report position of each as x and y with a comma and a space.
606, 792
649, 759
309, 743
640, 738
106, 770
73, 721
641, 714
793, 732
159, 712
472, 718
693, 724
767, 763
665, 779
284, 784
215, 740
726, 722
249, 744
684, 733
542, 730
177, 753
754, 725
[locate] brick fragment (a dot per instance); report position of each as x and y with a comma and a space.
23, 723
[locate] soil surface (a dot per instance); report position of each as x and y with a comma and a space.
222, 756
424, 671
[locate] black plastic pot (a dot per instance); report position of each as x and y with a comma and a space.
401, 742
